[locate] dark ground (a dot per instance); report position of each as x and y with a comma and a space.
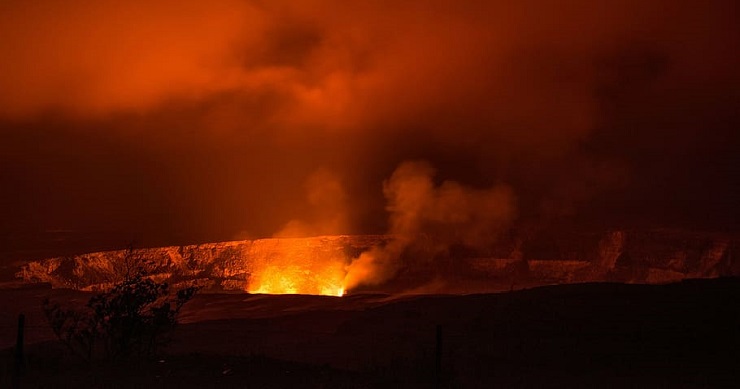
684, 335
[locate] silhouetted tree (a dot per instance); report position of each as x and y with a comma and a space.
132, 318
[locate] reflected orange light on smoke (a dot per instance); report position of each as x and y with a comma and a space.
297, 266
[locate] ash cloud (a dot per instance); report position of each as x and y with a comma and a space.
182, 122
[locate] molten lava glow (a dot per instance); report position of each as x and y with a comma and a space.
297, 267
297, 280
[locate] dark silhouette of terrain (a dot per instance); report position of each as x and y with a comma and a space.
684, 335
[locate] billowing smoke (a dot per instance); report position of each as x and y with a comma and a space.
445, 214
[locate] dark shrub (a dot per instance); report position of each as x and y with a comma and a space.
133, 318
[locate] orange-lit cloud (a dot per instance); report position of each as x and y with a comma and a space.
89, 58
195, 120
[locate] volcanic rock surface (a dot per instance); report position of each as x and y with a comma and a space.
657, 256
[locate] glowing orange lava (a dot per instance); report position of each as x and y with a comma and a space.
297, 266
296, 279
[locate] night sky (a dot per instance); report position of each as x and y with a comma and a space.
175, 122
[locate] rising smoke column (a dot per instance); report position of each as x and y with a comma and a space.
444, 214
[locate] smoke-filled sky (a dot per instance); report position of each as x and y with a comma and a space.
186, 121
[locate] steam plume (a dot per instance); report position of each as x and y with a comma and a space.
449, 213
